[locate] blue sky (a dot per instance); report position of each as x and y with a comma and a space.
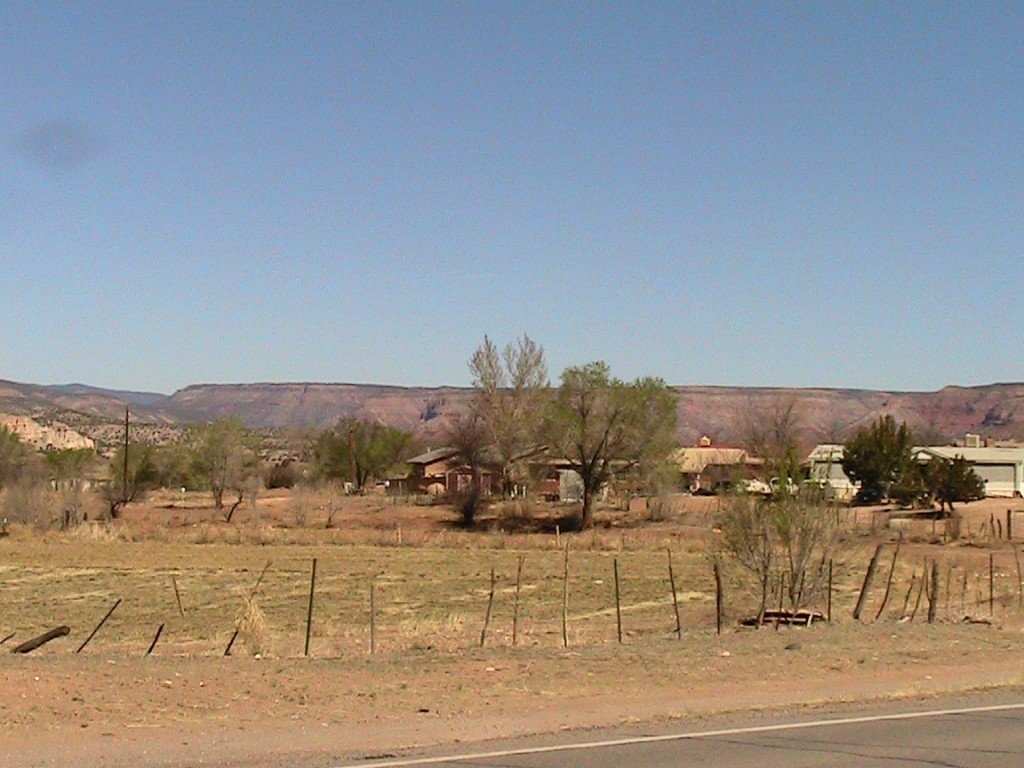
762, 194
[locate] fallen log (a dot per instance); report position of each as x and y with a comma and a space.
30, 645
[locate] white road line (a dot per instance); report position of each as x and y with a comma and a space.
679, 737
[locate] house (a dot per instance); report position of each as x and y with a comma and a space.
707, 467
1001, 469
554, 479
825, 467
438, 472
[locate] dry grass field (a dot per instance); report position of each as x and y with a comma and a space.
429, 679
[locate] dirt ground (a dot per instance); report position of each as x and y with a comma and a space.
188, 705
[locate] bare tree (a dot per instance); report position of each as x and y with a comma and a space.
747, 535
792, 535
771, 432
511, 388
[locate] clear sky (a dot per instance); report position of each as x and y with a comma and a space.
763, 193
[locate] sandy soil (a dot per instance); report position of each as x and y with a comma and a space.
107, 709
95, 711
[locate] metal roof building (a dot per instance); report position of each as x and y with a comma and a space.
825, 466
1001, 469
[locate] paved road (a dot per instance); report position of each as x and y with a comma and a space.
977, 732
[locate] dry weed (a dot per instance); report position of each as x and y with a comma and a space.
252, 628
97, 531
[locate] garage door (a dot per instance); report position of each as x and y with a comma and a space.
999, 478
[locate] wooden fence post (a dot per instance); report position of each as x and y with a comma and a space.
618, 605
867, 581
373, 616
921, 590
888, 582
309, 609
1020, 596
487, 616
675, 596
991, 584
933, 594
565, 598
152, 645
718, 596
102, 622
828, 615
177, 596
515, 607
906, 597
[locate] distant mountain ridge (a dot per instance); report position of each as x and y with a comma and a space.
128, 396
992, 410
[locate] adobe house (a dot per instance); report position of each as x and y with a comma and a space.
438, 472
707, 467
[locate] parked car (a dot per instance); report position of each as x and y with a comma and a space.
759, 487
783, 485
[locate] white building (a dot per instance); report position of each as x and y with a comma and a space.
825, 467
1001, 469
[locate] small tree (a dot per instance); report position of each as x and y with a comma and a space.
14, 456
66, 469
746, 528
600, 424
143, 476
877, 456
359, 451
953, 481
794, 535
468, 436
225, 458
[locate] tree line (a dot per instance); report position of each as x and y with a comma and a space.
597, 424
880, 458
592, 422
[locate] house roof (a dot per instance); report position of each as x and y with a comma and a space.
973, 455
826, 452
694, 460
437, 454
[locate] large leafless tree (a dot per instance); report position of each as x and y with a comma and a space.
511, 389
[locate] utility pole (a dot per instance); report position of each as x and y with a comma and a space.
124, 476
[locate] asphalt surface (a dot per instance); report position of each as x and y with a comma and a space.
974, 731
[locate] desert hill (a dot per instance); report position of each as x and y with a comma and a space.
995, 410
